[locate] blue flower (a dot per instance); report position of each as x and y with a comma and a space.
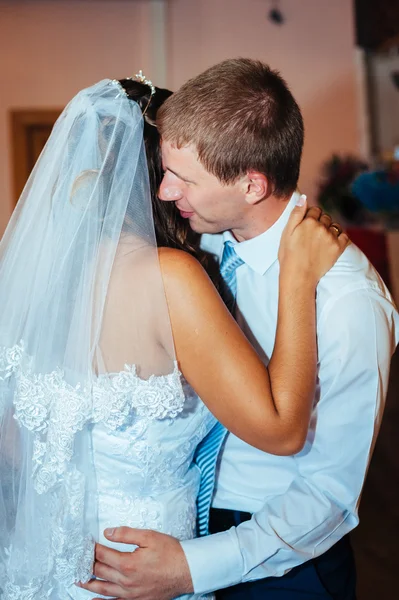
376, 192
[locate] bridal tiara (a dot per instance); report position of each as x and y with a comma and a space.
141, 78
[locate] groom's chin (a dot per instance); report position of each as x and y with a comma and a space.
201, 228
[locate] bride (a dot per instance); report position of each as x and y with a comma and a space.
107, 341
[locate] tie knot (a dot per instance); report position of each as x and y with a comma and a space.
228, 266
230, 260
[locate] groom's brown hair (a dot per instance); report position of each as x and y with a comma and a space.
240, 116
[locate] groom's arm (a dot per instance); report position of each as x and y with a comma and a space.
320, 506
356, 341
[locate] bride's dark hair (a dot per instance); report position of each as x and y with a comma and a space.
170, 229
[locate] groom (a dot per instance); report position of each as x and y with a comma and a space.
279, 524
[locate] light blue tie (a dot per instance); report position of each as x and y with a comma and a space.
208, 451
206, 456
228, 266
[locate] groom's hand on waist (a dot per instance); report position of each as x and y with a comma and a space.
156, 570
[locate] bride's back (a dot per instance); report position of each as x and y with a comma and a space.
136, 326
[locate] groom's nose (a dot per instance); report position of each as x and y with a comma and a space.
169, 193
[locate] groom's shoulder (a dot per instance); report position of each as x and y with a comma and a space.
351, 273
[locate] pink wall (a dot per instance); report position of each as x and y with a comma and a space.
50, 49
314, 50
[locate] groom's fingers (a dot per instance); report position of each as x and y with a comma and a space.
104, 588
129, 535
102, 571
112, 558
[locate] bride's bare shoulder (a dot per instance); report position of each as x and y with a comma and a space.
178, 264
181, 269
192, 298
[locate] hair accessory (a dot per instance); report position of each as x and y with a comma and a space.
143, 79
120, 87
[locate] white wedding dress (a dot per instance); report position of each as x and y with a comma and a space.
86, 442
145, 475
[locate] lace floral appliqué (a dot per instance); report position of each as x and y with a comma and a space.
55, 410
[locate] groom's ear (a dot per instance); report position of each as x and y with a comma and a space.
257, 187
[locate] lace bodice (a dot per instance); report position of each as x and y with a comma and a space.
143, 434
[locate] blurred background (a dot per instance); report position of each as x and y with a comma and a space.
341, 61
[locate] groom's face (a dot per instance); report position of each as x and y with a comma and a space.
200, 197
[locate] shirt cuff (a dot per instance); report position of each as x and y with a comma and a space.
215, 561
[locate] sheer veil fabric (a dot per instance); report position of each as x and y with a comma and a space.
81, 301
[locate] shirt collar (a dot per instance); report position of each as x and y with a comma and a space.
261, 252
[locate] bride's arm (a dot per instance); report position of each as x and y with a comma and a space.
268, 408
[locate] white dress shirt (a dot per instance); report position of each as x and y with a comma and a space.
302, 504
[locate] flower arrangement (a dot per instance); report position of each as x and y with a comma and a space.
378, 191
335, 190
359, 196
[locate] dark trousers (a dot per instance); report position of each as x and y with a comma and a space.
331, 576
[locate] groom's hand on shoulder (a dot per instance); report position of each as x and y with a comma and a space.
156, 570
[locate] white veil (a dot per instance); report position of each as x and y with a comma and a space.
81, 297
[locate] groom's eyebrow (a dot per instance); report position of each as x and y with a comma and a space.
179, 176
